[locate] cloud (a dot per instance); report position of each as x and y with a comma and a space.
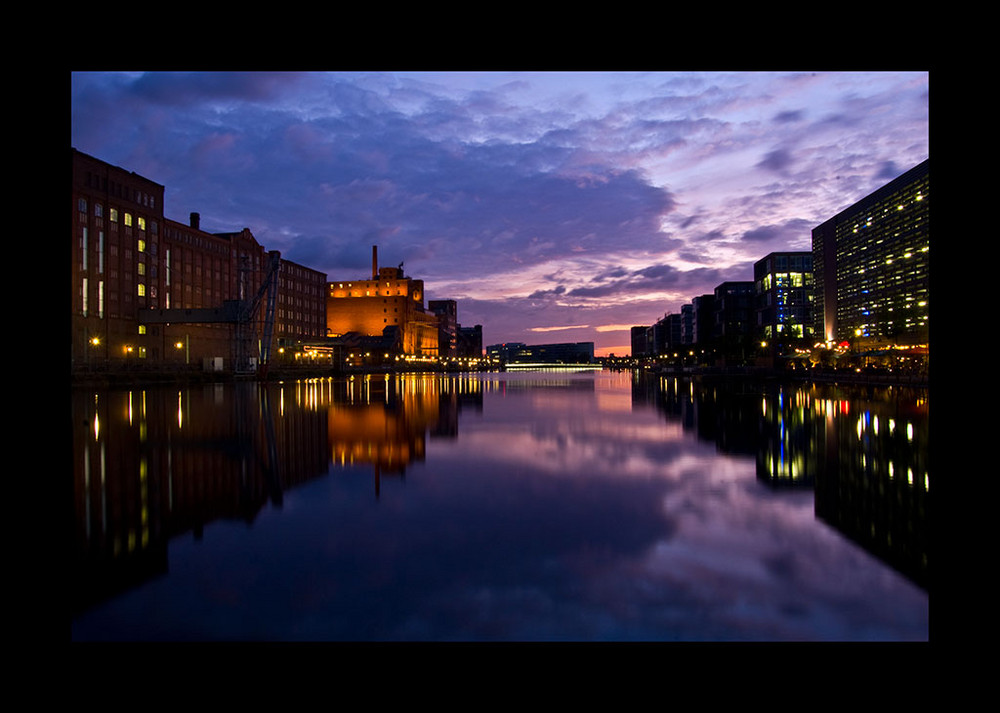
777, 160
558, 329
784, 236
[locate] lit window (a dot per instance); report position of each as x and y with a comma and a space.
113, 215
142, 290
142, 223
128, 219
142, 246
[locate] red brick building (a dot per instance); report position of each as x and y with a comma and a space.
132, 269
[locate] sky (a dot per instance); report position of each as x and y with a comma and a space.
552, 206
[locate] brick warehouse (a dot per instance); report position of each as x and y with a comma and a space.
151, 293
131, 264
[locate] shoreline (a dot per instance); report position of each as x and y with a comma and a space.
126, 379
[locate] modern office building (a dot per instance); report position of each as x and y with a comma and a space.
447, 316
702, 320
784, 288
454, 340
149, 292
562, 353
666, 334
734, 325
872, 266
385, 303
470, 342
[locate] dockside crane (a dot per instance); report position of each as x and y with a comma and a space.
242, 313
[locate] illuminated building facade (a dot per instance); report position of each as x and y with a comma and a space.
134, 272
784, 289
388, 300
872, 264
116, 221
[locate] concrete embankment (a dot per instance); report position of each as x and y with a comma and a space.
863, 378
138, 378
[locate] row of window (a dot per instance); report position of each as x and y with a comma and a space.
120, 190
128, 218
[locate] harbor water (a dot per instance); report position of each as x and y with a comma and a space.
495, 507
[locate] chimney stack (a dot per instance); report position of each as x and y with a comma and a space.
196, 221
374, 262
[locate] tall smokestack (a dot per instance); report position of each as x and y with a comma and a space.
374, 262
196, 221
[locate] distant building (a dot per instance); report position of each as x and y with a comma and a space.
562, 353
687, 324
735, 320
640, 345
387, 300
702, 320
663, 337
506, 351
469, 343
872, 266
447, 316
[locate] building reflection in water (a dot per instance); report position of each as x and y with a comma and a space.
384, 420
863, 450
154, 464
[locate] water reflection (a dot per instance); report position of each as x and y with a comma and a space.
527, 506
862, 450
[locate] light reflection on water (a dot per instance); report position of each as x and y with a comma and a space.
496, 507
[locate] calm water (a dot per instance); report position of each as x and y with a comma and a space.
499, 507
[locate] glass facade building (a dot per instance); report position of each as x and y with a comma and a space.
872, 262
784, 287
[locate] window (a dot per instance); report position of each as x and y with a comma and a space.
128, 219
142, 223
113, 215
142, 290
98, 210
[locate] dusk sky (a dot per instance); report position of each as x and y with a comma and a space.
554, 207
